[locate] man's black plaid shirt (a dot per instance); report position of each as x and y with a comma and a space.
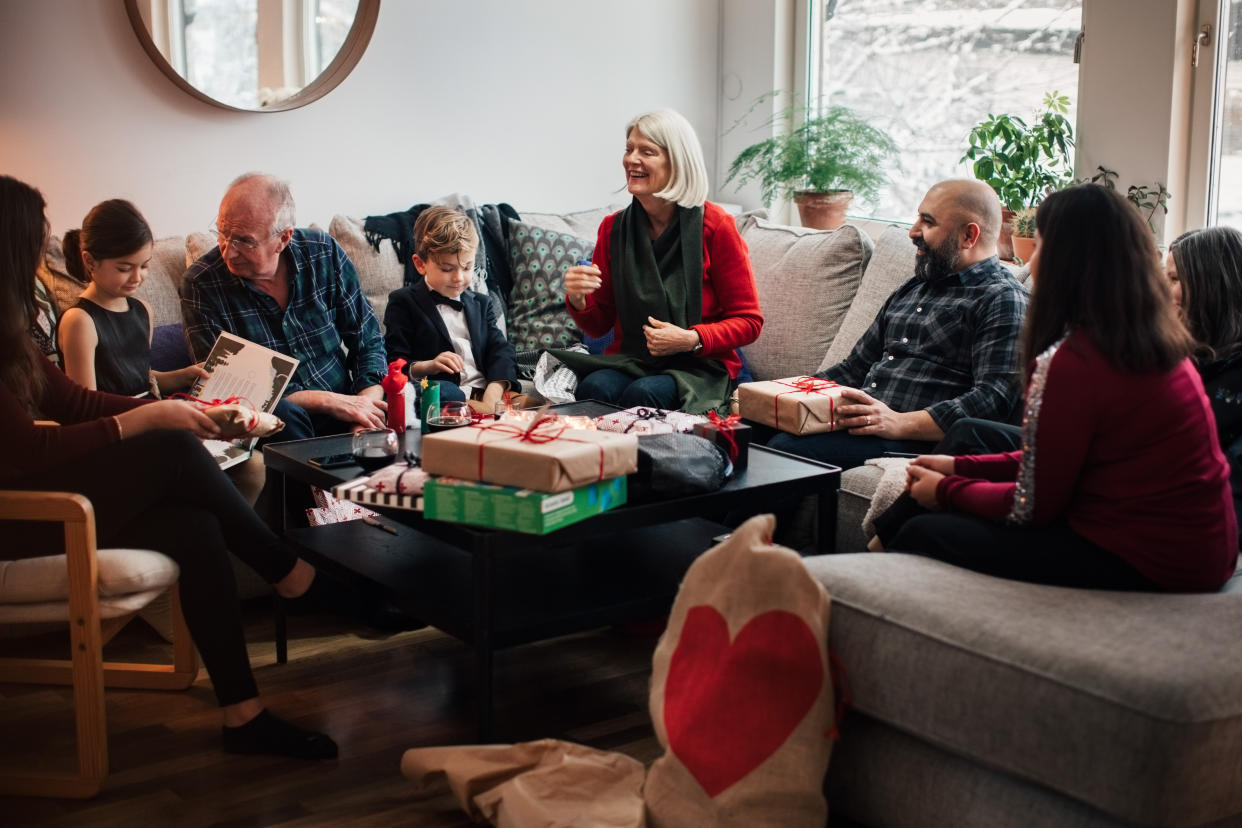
948, 347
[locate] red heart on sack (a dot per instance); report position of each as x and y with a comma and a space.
729, 706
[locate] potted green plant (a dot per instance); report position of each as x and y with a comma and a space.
1022, 162
821, 162
1147, 199
1022, 226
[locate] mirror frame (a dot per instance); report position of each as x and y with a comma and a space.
346, 59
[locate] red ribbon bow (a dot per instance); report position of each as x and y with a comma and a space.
804, 385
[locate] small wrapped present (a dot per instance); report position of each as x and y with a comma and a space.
797, 405
328, 509
642, 420
519, 510
730, 434
548, 457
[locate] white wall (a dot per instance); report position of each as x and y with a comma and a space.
521, 101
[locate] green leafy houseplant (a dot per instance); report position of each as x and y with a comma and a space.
1022, 162
832, 150
1147, 199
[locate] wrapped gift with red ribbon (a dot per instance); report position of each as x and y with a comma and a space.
547, 456
643, 420
730, 434
797, 405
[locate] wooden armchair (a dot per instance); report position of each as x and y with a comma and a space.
96, 592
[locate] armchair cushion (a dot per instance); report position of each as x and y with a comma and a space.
125, 576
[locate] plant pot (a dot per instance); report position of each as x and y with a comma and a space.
822, 211
1004, 243
1023, 247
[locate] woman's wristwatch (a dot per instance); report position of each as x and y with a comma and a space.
699, 347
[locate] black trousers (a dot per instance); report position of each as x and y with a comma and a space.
163, 491
1053, 554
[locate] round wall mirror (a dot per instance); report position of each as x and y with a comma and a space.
255, 55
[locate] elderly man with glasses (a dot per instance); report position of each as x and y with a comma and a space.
295, 291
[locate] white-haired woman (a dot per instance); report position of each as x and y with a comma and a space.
671, 278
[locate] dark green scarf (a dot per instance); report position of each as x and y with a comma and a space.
662, 278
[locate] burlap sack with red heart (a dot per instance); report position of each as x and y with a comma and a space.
741, 696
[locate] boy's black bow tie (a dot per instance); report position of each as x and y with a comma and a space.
455, 304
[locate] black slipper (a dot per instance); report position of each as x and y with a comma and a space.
266, 733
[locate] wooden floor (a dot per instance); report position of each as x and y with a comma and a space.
376, 695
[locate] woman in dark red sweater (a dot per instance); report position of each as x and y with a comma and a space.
671, 279
1120, 482
152, 486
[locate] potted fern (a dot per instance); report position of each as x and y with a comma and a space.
821, 163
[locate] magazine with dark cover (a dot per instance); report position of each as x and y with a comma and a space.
256, 376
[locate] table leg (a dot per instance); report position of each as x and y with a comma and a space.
482, 597
826, 522
279, 619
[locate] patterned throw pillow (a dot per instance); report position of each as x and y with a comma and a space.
537, 315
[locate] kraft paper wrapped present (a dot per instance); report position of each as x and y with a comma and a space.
730, 434
797, 405
643, 420
550, 457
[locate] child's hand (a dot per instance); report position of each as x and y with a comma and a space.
580, 282
446, 362
181, 379
922, 483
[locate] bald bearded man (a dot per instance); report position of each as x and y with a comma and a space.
942, 348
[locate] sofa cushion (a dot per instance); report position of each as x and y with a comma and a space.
162, 287
537, 315
891, 265
806, 281
584, 224
1131, 702
379, 270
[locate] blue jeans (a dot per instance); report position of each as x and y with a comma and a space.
612, 386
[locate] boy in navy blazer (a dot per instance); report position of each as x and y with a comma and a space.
446, 332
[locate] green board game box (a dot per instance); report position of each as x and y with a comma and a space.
518, 510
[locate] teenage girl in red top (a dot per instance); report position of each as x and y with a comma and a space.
1120, 482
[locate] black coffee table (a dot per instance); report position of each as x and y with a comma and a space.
495, 589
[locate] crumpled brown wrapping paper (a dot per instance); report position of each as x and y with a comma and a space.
544, 784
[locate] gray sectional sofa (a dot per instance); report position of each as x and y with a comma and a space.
975, 701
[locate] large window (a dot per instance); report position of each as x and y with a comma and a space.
1225, 170
929, 70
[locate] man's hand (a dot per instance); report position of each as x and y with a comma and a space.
666, 339
922, 483
359, 410
865, 415
580, 282
445, 362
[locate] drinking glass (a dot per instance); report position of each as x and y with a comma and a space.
451, 415
374, 448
